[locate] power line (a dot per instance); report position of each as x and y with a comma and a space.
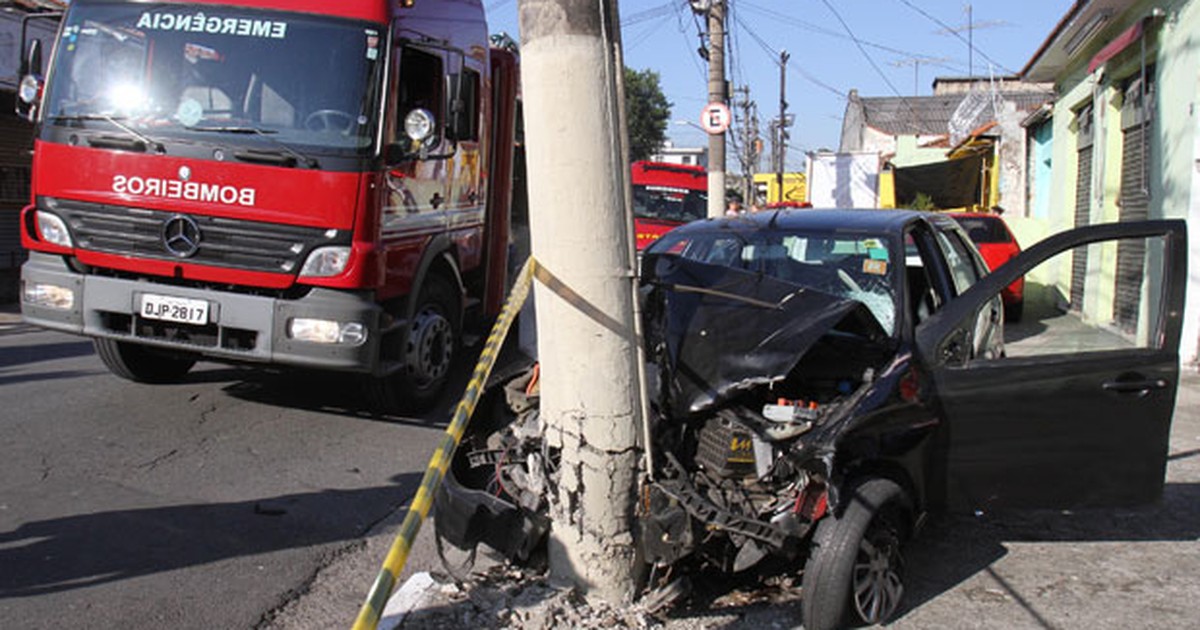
647, 14
916, 117
736, 72
803, 74
955, 31
788, 19
679, 20
653, 29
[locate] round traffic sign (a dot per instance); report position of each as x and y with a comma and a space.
715, 118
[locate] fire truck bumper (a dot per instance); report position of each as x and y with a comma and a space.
324, 329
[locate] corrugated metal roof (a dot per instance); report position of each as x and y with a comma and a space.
930, 115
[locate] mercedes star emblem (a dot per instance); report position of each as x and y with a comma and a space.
181, 236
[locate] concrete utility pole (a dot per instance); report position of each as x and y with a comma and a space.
783, 125
716, 94
750, 142
571, 80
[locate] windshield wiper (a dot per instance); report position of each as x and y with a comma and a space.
144, 140
262, 156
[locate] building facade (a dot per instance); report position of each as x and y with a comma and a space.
1121, 142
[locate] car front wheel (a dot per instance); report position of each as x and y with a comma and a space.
854, 574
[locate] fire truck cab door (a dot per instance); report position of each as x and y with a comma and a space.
418, 189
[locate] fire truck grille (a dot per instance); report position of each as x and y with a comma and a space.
237, 243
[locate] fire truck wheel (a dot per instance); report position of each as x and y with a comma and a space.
428, 353
142, 364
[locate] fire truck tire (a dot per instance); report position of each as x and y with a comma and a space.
854, 574
428, 354
142, 364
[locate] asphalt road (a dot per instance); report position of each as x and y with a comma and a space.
209, 504
249, 500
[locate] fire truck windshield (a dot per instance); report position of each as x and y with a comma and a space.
180, 72
668, 203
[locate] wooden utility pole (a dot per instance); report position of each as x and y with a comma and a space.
716, 94
571, 81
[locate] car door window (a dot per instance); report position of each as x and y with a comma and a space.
961, 263
1116, 310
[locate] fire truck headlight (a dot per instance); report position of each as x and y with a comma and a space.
327, 331
53, 229
49, 296
325, 262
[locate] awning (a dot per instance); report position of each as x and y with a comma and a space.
949, 184
1114, 48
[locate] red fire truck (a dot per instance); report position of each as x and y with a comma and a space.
666, 195
288, 182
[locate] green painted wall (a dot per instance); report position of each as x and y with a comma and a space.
1172, 44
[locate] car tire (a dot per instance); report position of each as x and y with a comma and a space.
430, 350
854, 573
1014, 311
142, 364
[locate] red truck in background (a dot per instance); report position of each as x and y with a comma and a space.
664, 196
299, 182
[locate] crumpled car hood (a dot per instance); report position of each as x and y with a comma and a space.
721, 331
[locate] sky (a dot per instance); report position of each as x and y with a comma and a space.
879, 47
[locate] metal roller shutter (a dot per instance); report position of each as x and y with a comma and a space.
1134, 202
1083, 205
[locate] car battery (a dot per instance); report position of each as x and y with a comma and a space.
726, 448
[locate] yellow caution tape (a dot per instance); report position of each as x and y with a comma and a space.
381, 590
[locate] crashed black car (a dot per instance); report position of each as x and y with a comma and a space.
825, 378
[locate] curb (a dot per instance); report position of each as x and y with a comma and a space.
416, 594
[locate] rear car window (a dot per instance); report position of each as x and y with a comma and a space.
984, 229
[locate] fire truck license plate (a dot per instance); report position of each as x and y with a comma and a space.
173, 309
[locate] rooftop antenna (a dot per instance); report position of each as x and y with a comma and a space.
970, 28
916, 62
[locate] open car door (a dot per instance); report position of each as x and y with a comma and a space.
1078, 410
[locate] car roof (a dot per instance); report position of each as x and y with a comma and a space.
976, 215
825, 220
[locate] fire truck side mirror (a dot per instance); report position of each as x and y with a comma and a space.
29, 91
421, 132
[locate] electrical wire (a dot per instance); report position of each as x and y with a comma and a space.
646, 14
800, 72
637, 40
788, 19
954, 31
679, 19
920, 124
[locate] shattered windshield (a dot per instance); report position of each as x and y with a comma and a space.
856, 266
178, 71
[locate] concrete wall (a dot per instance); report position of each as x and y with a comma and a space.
1039, 169
911, 150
